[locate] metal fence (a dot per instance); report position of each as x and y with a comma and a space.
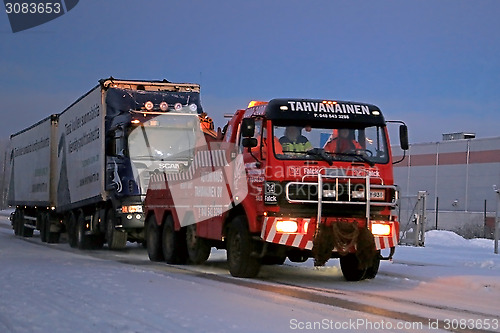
412, 217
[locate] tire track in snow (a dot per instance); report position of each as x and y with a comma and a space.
333, 298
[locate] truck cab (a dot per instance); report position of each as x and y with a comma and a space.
320, 181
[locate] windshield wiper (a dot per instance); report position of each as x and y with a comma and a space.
361, 157
320, 152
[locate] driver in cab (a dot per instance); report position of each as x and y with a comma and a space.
294, 142
344, 142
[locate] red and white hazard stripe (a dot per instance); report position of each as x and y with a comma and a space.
271, 235
384, 242
305, 240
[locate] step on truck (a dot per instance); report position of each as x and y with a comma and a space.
289, 178
84, 172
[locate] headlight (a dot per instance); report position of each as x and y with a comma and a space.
287, 226
329, 194
381, 229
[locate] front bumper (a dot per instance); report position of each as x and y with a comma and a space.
303, 237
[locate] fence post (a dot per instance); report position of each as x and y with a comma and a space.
437, 212
420, 234
497, 224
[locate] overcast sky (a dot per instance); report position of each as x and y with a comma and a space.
433, 64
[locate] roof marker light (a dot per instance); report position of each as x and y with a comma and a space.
164, 106
149, 105
255, 103
283, 107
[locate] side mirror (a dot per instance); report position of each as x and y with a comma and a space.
248, 128
249, 142
403, 137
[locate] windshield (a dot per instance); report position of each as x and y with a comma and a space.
367, 144
163, 138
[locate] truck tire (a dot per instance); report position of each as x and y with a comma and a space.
198, 248
372, 271
83, 241
43, 227
240, 247
173, 243
16, 221
117, 239
349, 266
51, 237
22, 229
71, 229
153, 239
27, 231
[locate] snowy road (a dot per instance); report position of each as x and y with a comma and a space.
452, 283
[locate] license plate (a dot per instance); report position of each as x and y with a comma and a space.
377, 194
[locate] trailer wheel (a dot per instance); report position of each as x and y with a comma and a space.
372, 271
72, 239
153, 239
173, 243
239, 250
27, 231
22, 229
117, 239
51, 237
16, 221
83, 241
198, 248
349, 264
43, 227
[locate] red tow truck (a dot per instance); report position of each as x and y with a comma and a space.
288, 178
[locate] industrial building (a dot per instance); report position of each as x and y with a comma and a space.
460, 175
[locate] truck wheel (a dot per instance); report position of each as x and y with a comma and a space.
22, 229
51, 237
72, 229
372, 271
19, 223
239, 250
83, 241
173, 243
153, 239
43, 227
117, 239
198, 248
349, 266
16, 222
27, 232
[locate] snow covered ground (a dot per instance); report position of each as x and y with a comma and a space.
53, 288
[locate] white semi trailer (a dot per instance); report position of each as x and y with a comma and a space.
73, 172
